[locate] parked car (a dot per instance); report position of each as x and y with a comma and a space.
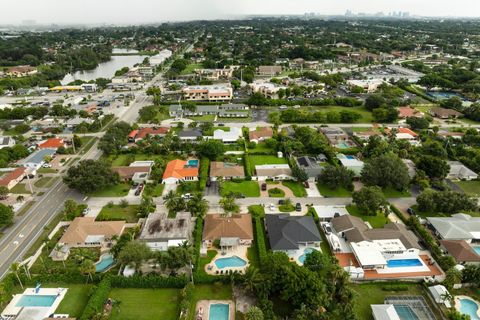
85, 211
272, 207
410, 211
306, 184
139, 190
46, 165
327, 228
221, 124
281, 202
298, 207
209, 182
264, 187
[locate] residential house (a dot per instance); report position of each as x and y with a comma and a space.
201, 110
407, 112
260, 134
180, 170
335, 136
208, 93
444, 113
233, 113
142, 133
352, 163
291, 233
230, 136
136, 174
365, 135
459, 226
327, 213
313, 166
190, 135
458, 171
449, 134
86, 232
11, 178
215, 74
402, 133
52, 143
226, 170
6, 142
232, 230
160, 232
461, 251
274, 172
269, 70
233, 106
36, 159
384, 312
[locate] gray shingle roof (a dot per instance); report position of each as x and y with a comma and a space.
457, 227
285, 231
38, 156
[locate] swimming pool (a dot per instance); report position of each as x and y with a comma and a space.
343, 145
36, 301
230, 262
477, 249
350, 157
401, 263
219, 311
106, 261
469, 307
405, 312
192, 163
302, 258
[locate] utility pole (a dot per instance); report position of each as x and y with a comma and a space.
29, 182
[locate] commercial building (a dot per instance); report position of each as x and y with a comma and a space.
208, 93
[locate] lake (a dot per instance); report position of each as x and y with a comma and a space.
105, 69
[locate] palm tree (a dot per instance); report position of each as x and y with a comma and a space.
87, 268
229, 206
197, 205
254, 313
15, 268
170, 200
252, 279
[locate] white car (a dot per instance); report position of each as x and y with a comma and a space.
272, 207
47, 165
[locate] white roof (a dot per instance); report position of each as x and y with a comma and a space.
384, 312
272, 166
459, 226
146, 163
329, 211
368, 253
233, 135
389, 245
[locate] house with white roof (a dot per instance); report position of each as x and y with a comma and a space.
458, 171
459, 226
230, 136
384, 312
274, 172
351, 162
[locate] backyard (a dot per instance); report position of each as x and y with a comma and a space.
247, 188
154, 190
153, 303
75, 300
469, 187
117, 212
257, 160
377, 221
215, 291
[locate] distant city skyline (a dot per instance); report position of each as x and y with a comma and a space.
151, 11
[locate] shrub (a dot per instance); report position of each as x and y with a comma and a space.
149, 281
97, 300
260, 237
203, 173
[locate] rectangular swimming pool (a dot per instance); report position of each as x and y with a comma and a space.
36, 301
477, 249
192, 163
401, 263
219, 311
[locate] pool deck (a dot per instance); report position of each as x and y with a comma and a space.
35, 313
240, 251
296, 256
202, 310
457, 303
348, 259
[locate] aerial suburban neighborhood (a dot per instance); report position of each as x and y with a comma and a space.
259, 167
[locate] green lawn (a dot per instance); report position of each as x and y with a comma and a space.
286, 208
372, 293
126, 159
47, 170
75, 300
247, 188
145, 304
337, 193
154, 190
377, 221
20, 188
276, 193
191, 68
115, 212
469, 187
43, 182
203, 261
261, 147
257, 160
392, 193
118, 190
206, 118
365, 115
216, 291
297, 188
188, 187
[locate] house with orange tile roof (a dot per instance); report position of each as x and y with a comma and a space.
52, 143
260, 134
181, 170
11, 178
142, 133
402, 133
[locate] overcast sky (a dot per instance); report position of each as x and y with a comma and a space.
147, 11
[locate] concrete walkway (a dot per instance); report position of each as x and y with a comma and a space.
312, 191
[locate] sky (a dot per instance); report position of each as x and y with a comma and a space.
151, 11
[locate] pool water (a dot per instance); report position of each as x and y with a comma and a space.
350, 157
343, 145
230, 262
405, 312
192, 163
400, 263
105, 262
470, 308
302, 258
36, 301
477, 249
219, 311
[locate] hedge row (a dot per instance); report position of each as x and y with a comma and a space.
149, 281
203, 174
248, 168
261, 247
97, 300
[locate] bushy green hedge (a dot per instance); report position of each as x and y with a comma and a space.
150, 281
313, 213
97, 299
261, 247
247, 165
203, 174
197, 242
186, 296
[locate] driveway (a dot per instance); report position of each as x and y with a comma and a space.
169, 187
312, 191
264, 194
213, 190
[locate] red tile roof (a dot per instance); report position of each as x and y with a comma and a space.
178, 169
405, 112
143, 132
52, 143
15, 174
